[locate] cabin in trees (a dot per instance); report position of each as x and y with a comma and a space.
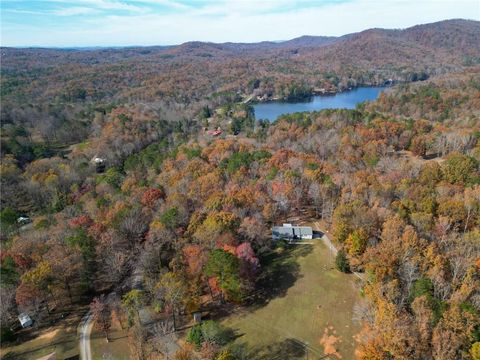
292, 232
99, 164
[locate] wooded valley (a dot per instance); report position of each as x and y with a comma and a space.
396, 182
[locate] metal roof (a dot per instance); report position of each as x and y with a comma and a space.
291, 231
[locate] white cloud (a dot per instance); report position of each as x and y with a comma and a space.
22, 11
242, 21
71, 11
110, 5
168, 3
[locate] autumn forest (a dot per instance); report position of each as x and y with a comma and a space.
139, 180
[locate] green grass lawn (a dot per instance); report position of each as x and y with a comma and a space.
306, 301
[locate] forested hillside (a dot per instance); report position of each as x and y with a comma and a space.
396, 181
191, 72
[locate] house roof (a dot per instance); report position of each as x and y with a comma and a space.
24, 317
292, 230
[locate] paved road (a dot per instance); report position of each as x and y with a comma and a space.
84, 331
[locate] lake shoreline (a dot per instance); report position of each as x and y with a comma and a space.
315, 92
271, 110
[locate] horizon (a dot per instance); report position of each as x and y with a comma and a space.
109, 23
94, 47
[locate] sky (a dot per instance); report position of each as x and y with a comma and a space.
84, 23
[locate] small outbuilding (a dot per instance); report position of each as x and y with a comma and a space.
25, 320
23, 220
99, 163
197, 317
292, 232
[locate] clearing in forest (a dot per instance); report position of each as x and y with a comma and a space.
304, 310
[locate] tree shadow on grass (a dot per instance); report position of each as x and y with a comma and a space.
284, 350
280, 271
17, 355
229, 335
111, 338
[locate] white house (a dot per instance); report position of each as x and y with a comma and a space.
292, 232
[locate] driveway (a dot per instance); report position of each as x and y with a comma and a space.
84, 331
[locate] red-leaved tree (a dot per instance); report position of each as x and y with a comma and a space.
249, 263
101, 314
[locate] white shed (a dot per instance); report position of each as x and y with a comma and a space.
25, 320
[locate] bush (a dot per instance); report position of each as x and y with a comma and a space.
214, 333
195, 336
208, 331
7, 335
341, 262
225, 354
8, 216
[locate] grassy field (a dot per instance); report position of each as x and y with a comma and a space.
117, 348
61, 339
305, 310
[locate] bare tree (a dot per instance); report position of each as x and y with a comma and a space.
101, 314
315, 196
133, 227
408, 272
136, 339
364, 311
7, 304
162, 337
173, 289
116, 265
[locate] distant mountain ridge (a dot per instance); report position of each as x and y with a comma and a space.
442, 33
266, 69
412, 33
459, 35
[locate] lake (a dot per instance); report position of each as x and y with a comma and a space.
345, 100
